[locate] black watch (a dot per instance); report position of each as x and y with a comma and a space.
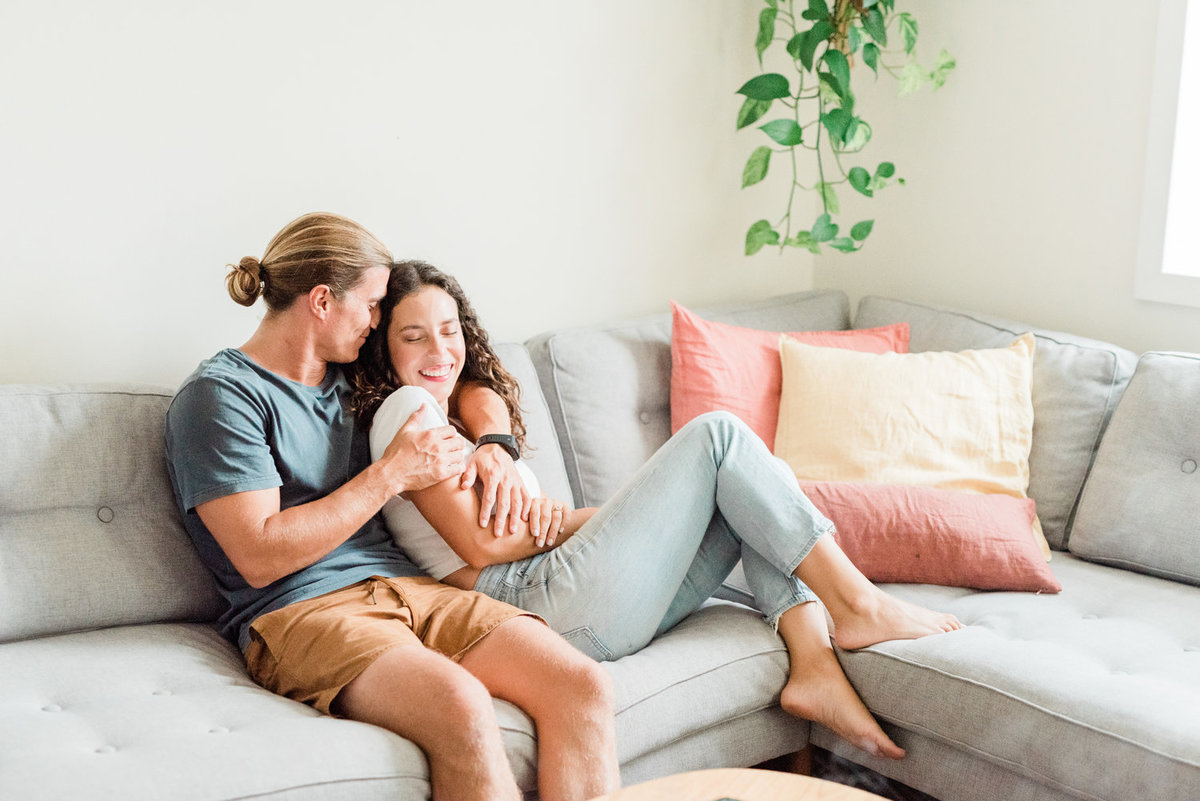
506, 441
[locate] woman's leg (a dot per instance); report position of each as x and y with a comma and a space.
610, 586
817, 689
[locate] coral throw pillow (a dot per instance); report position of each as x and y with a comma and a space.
930, 536
715, 366
957, 421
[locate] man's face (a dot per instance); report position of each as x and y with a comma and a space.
355, 315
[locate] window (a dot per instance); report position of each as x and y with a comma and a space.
1168, 267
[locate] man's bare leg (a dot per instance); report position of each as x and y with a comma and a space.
862, 613
817, 688
569, 697
447, 712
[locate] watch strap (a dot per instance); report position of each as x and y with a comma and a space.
506, 441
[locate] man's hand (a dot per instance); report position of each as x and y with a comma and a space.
503, 490
418, 459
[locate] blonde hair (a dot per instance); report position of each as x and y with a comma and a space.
313, 250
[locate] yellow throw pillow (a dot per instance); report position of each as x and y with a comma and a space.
960, 421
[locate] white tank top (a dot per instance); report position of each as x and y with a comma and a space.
409, 528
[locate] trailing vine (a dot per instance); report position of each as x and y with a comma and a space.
823, 43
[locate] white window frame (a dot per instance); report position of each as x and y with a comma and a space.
1154, 279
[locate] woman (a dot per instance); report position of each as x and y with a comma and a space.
612, 578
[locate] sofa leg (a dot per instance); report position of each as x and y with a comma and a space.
798, 762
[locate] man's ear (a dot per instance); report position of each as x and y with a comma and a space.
320, 301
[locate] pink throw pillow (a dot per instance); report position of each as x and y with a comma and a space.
922, 535
717, 366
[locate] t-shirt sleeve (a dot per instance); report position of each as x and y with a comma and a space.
394, 413
218, 442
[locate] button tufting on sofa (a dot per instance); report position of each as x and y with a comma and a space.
1189, 466
105, 514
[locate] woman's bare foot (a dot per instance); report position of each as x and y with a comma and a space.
876, 616
823, 694
862, 613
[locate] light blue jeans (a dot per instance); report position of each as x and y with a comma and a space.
663, 544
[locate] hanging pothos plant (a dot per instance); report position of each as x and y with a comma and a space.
822, 44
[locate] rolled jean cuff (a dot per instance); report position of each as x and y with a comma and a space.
828, 528
799, 597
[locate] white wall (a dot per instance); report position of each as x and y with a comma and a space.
569, 162
1025, 172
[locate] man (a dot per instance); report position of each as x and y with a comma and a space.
276, 491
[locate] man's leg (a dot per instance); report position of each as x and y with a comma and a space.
447, 712
568, 696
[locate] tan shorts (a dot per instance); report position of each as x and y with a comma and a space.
310, 650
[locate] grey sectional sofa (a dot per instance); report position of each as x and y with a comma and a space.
114, 683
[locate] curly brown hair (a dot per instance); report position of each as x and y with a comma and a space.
372, 376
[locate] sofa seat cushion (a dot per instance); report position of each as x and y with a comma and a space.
721, 664
167, 711
1093, 691
1076, 385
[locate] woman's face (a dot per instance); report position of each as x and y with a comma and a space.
426, 342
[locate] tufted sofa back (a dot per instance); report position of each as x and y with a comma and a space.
89, 533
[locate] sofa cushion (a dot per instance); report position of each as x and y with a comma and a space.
608, 385
1076, 385
717, 366
167, 711
1093, 691
89, 531
1138, 509
545, 457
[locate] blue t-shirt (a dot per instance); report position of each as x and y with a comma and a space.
233, 427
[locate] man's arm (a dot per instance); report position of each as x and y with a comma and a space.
265, 543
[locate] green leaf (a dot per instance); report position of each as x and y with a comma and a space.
870, 57
829, 197
766, 31
857, 134
886, 169
829, 95
756, 166
839, 66
908, 29
771, 86
752, 111
911, 77
759, 235
816, 10
839, 94
823, 229
874, 25
843, 243
802, 239
859, 180
773, 3
785, 132
853, 39
862, 230
942, 68
806, 43
837, 122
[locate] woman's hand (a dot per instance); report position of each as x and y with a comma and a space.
503, 491
547, 520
